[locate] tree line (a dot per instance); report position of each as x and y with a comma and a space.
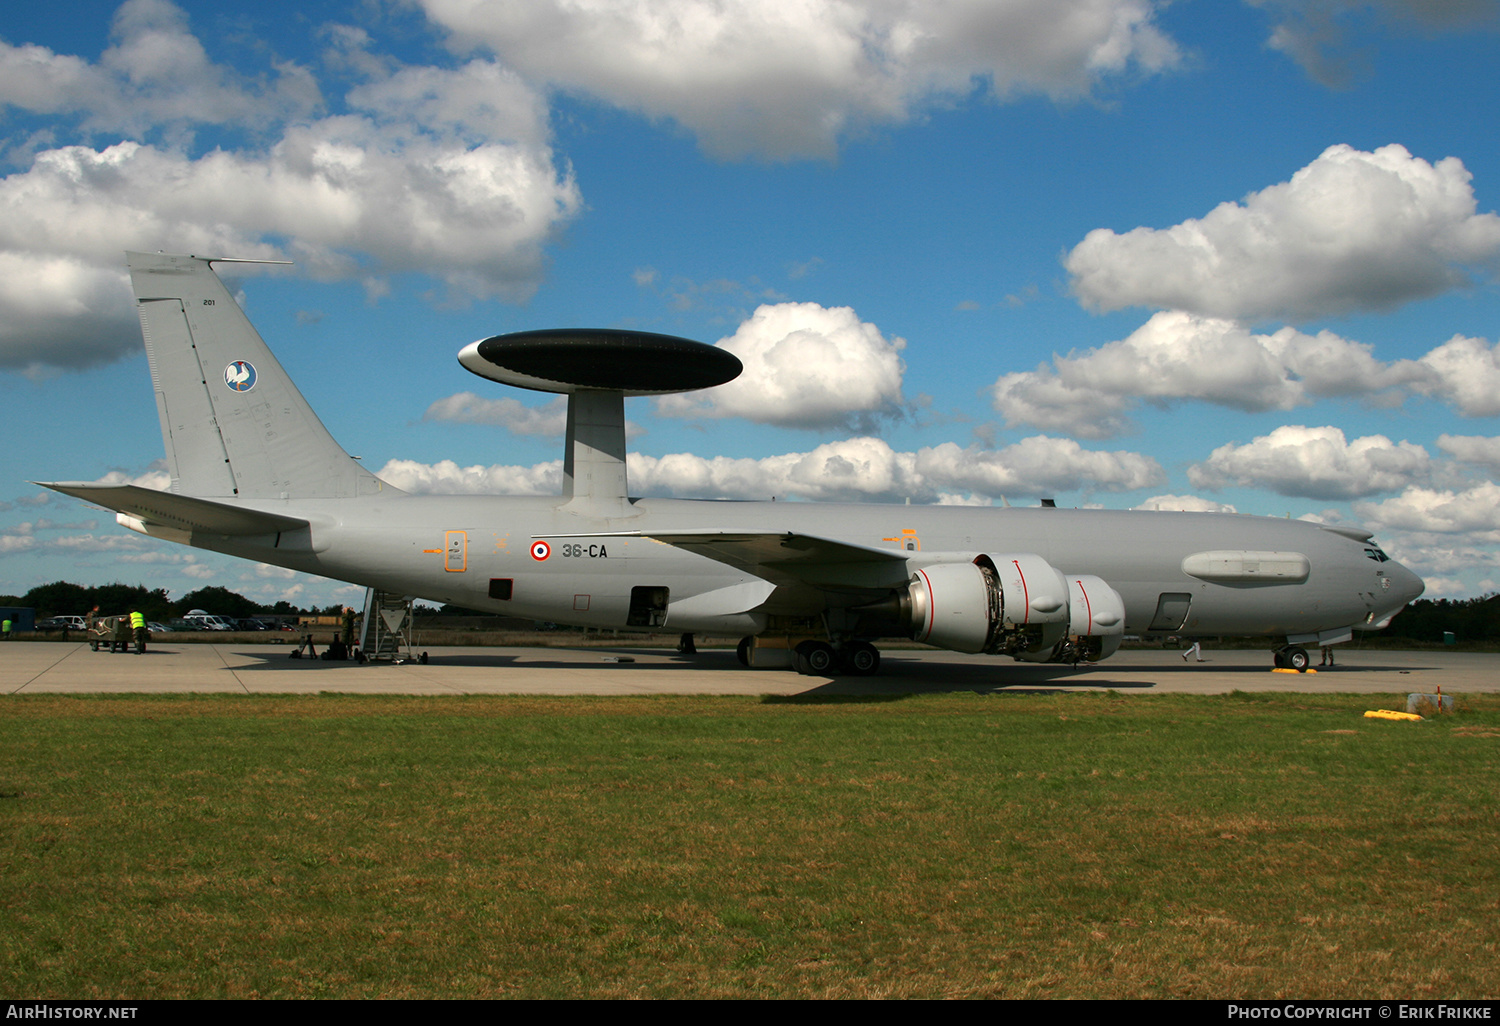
63, 598
1475, 619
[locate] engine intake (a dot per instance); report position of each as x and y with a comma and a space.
1013, 603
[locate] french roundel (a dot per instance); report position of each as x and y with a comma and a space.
540, 550
240, 376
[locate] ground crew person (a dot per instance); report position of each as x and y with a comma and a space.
138, 628
6, 629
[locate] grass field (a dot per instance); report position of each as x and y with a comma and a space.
1084, 845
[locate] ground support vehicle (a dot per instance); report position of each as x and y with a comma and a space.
115, 632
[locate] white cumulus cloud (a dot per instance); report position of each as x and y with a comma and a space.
1185, 503
479, 101
447, 478
847, 470
1039, 466
1465, 373
1473, 511
11, 544
156, 476
785, 80
806, 366
447, 172
155, 76
1183, 356
1351, 231
1476, 449
1314, 462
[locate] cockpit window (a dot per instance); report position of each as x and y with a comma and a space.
1377, 555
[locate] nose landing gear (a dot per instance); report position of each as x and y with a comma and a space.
1292, 657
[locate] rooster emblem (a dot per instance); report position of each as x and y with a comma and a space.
240, 376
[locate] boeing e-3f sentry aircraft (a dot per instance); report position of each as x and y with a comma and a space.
255, 474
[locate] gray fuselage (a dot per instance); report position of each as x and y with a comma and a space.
450, 548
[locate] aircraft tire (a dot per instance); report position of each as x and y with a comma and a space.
742, 651
815, 658
1297, 658
861, 659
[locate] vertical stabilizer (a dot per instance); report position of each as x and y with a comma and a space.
232, 422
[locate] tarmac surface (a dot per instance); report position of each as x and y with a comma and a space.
71, 667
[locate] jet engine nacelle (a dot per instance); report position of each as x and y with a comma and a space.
1096, 623
1013, 603
1096, 617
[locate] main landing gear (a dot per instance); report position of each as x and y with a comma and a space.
851, 658
1292, 657
821, 659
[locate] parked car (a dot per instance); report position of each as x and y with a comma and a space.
61, 623
207, 621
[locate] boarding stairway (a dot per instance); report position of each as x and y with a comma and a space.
385, 630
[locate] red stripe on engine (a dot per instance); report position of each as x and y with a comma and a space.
931, 606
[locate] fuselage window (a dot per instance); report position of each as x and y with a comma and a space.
1377, 555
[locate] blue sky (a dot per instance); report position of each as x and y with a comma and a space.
1113, 252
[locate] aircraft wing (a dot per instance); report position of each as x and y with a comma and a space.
788, 559
180, 512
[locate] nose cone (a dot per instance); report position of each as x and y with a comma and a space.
1405, 585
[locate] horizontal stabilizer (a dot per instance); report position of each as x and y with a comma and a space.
179, 512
